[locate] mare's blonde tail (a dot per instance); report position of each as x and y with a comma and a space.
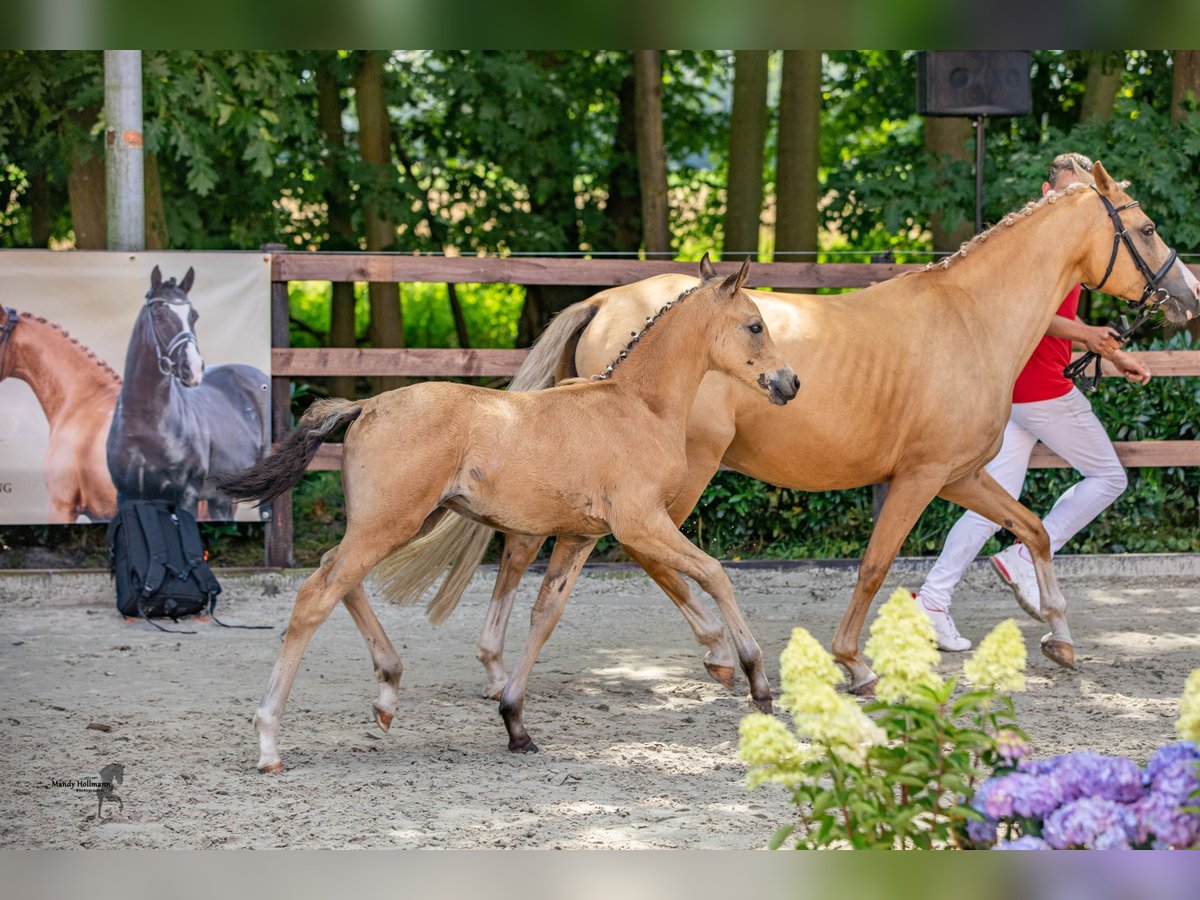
458, 543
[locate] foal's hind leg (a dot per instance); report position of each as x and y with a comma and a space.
570, 553
388, 667
519, 551
659, 539
980, 493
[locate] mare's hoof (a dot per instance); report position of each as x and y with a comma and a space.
723, 674
493, 690
271, 768
1060, 652
383, 718
525, 745
763, 706
865, 688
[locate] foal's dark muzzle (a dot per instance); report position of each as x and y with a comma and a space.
781, 385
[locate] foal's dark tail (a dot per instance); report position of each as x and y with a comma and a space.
286, 466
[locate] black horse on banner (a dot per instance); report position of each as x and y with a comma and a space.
178, 424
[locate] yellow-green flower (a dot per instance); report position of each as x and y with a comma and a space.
902, 648
834, 721
770, 749
804, 658
1188, 726
998, 663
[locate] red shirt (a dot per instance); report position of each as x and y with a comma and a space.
1042, 378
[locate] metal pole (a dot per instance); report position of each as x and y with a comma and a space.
123, 163
978, 174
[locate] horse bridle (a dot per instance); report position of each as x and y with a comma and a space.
1145, 304
166, 362
6, 331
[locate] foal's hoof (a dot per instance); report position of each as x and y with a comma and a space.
271, 768
383, 718
525, 745
492, 690
1060, 652
865, 688
723, 674
764, 706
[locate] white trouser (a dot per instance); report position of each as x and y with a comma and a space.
1067, 426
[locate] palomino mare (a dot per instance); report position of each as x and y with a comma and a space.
580, 461
916, 378
177, 424
77, 391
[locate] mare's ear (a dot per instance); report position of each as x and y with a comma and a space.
734, 282
1104, 183
186, 284
707, 272
155, 280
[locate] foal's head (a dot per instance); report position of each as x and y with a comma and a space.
171, 321
741, 346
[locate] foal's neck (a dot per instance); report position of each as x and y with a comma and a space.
668, 362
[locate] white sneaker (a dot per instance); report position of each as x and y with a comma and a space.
1015, 568
944, 629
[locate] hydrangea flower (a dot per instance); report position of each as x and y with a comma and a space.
1018, 793
982, 834
1177, 781
1188, 726
1092, 823
1011, 746
1089, 774
1158, 816
998, 663
765, 743
835, 721
903, 648
803, 659
1168, 754
1024, 842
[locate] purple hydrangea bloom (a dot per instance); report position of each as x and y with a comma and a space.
982, 834
1089, 774
1011, 746
994, 798
1178, 781
1034, 796
1090, 823
1168, 755
1024, 842
1157, 816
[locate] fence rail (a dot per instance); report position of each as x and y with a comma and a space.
295, 362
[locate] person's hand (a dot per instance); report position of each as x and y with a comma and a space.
1101, 340
1133, 371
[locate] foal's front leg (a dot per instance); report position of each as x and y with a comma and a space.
570, 553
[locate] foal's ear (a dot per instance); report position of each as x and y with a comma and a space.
155, 279
1104, 183
707, 272
734, 282
186, 284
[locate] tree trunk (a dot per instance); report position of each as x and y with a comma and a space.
747, 139
85, 187
948, 139
796, 187
623, 208
374, 143
1185, 82
652, 159
39, 209
157, 237
341, 225
1103, 82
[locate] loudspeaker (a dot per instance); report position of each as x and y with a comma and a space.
973, 83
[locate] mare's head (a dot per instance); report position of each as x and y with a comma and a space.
170, 321
742, 346
1128, 259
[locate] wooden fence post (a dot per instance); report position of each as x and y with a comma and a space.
278, 537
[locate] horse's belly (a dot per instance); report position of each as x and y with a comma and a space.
533, 513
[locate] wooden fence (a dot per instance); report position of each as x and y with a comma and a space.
288, 362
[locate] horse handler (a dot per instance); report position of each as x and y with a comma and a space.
1047, 407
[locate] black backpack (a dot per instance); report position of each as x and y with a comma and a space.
157, 559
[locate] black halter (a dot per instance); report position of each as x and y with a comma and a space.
6, 331
166, 360
1147, 304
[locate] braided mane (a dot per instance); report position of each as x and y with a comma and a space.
86, 351
650, 320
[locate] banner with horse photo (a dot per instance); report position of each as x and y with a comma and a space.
130, 376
